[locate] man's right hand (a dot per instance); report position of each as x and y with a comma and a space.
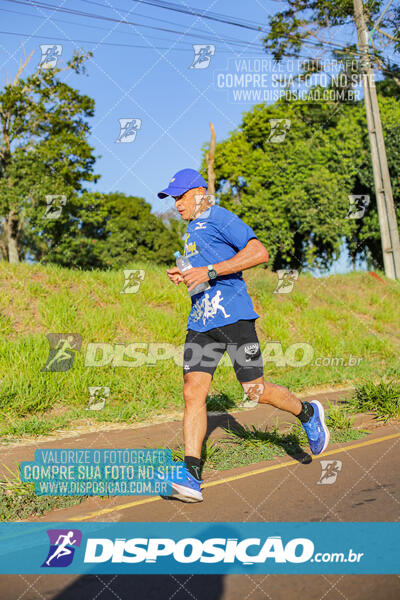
175, 275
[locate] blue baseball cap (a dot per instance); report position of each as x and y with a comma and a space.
182, 181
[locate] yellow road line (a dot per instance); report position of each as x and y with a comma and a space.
288, 463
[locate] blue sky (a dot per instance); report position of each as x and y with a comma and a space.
153, 82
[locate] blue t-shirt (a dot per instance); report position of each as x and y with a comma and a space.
217, 235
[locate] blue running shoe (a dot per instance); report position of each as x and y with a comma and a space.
186, 488
316, 430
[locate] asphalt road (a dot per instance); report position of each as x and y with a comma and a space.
367, 488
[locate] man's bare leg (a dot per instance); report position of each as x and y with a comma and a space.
311, 415
264, 392
195, 390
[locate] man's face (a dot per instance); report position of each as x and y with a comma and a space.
188, 204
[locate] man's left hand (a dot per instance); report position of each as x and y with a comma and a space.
194, 276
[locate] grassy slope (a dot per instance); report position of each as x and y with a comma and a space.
341, 315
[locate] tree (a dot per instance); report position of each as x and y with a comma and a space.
43, 153
302, 25
364, 240
111, 231
132, 232
294, 194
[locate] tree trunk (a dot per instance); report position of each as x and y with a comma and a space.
13, 251
12, 238
3, 247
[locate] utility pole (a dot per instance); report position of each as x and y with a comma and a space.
383, 188
210, 162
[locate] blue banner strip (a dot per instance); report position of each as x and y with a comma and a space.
204, 548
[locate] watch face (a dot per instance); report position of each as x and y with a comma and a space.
212, 274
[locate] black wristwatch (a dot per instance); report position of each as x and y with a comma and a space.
212, 273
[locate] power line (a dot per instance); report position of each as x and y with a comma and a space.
243, 43
40, 4
152, 18
80, 13
252, 25
204, 14
100, 43
50, 37
44, 37
44, 6
209, 15
228, 20
35, 16
106, 29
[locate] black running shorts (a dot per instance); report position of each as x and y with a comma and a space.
204, 350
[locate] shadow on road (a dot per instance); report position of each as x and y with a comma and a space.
146, 587
289, 441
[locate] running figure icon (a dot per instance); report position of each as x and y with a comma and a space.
208, 308
62, 351
216, 304
62, 549
203, 56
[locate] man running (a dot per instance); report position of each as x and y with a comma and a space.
219, 247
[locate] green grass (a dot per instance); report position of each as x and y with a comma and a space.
18, 500
382, 399
250, 445
338, 316
338, 418
13, 429
207, 451
220, 403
